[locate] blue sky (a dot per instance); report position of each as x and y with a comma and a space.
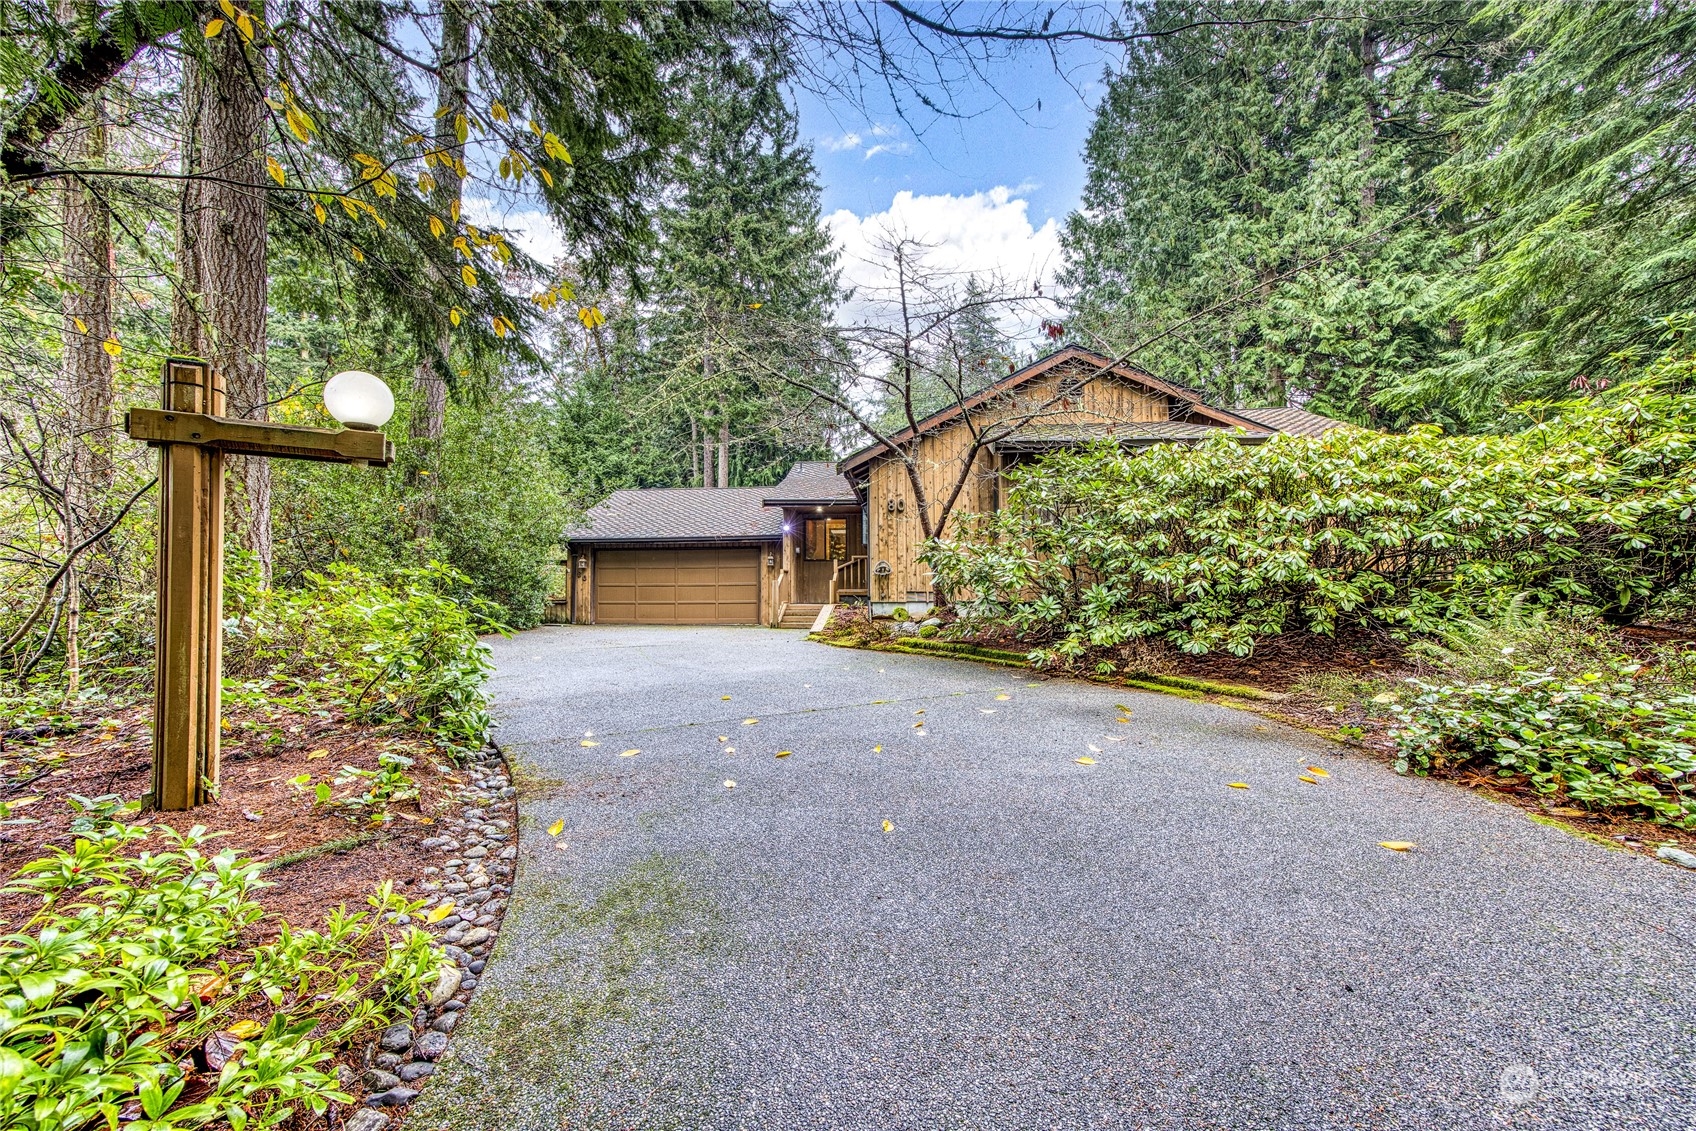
988, 190
1007, 140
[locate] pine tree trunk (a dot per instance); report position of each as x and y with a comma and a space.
429, 410
723, 447
86, 368
694, 454
220, 308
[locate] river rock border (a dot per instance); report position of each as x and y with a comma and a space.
479, 849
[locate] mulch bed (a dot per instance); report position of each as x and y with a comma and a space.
259, 812
319, 856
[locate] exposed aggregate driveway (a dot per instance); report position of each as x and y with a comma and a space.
1037, 943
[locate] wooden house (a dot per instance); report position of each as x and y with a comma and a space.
854, 530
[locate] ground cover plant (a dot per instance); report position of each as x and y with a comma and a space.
129, 998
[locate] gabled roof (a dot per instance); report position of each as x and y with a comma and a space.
681, 514
1294, 421
811, 484
1106, 365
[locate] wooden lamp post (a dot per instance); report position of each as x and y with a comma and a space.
192, 436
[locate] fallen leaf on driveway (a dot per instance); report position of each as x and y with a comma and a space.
557, 827
1123, 719
888, 825
784, 753
987, 710
918, 724
728, 750
1238, 784
629, 753
318, 753
1003, 698
1317, 772
1396, 845
920, 711
1122, 709
728, 784
749, 722
588, 742
724, 738
1094, 749
877, 749
1113, 737
562, 846
726, 698
1086, 760
1309, 779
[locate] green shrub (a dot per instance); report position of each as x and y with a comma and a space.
899, 613
1602, 738
927, 630
495, 514
127, 995
398, 649
1215, 545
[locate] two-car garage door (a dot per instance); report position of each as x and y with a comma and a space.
694, 586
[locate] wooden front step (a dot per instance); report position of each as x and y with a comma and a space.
799, 616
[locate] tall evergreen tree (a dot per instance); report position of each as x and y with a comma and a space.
1577, 177
743, 263
1259, 219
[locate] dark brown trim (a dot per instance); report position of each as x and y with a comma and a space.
1104, 364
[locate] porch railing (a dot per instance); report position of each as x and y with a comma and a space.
848, 579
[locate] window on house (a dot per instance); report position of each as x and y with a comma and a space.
826, 539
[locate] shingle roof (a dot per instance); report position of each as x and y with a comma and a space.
1294, 421
810, 483
681, 514
1042, 436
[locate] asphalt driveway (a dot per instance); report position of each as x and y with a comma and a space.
1035, 942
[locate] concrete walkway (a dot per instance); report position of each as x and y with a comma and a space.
1036, 943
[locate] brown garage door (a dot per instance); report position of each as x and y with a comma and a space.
709, 586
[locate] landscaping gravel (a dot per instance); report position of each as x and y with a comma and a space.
1035, 943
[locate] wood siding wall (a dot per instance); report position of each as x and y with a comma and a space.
897, 536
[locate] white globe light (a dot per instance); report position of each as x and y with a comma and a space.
359, 399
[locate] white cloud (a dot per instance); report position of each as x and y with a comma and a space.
987, 234
885, 139
531, 229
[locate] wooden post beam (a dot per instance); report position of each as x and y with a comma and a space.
246, 437
192, 436
189, 650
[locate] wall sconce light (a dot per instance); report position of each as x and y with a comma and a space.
771, 560
583, 563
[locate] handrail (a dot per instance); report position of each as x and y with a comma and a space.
853, 569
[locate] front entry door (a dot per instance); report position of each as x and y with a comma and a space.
825, 540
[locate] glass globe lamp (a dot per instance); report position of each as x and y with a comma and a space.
359, 400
